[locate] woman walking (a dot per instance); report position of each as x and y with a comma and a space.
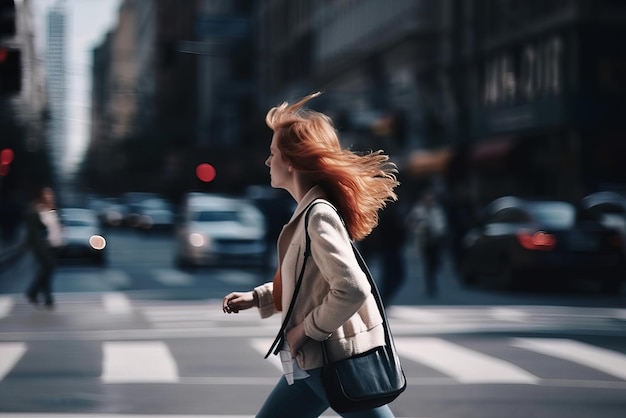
335, 304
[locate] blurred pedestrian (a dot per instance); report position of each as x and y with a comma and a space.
386, 243
335, 305
44, 236
427, 220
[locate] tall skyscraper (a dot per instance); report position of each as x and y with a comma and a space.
56, 84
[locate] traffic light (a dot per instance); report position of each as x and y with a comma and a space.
10, 70
6, 157
7, 18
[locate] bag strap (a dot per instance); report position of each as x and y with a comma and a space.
280, 337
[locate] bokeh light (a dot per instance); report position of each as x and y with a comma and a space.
97, 242
205, 172
6, 156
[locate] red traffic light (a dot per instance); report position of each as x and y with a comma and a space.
205, 172
6, 156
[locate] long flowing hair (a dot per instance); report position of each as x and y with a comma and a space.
358, 184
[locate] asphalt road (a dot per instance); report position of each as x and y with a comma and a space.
139, 338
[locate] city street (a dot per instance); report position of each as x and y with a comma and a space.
140, 338
474, 150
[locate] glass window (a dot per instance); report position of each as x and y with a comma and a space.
553, 214
216, 216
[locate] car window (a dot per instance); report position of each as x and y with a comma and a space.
553, 214
508, 215
77, 222
215, 216
608, 207
154, 204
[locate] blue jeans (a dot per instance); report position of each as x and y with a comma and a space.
306, 399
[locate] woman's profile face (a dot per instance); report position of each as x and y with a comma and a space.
280, 173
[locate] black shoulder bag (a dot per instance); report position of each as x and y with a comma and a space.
366, 380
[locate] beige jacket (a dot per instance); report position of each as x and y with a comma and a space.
335, 300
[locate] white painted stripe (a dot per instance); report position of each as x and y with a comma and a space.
204, 312
417, 315
10, 353
6, 303
607, 361
131, 362
116, 303
172, 277
508, 314
81, 415
463, 364
262, 345
180, 314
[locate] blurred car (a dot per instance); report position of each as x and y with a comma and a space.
111, 211
219, 230
154, 214
610, 209
83, 239
132, 202
518, 241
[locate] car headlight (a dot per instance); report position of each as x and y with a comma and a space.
97, 242
198, 240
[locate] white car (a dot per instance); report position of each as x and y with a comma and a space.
83, 239
217, 230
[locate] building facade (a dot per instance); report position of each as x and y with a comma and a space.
498, 96
56, 84
544, 97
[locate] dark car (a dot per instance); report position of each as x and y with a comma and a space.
610, 209
155, 214
83, 239
132, 202
518, 241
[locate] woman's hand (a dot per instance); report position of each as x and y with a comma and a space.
296, 338
239, 301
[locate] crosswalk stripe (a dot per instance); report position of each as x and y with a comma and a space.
607, 361
152, 362
133, 362
116, 302
172, 277
10, 354
6, 303
418, 315
508, 314
81, 415
463, 364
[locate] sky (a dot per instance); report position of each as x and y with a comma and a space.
87, 22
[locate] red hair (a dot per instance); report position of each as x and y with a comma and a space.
359, 185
